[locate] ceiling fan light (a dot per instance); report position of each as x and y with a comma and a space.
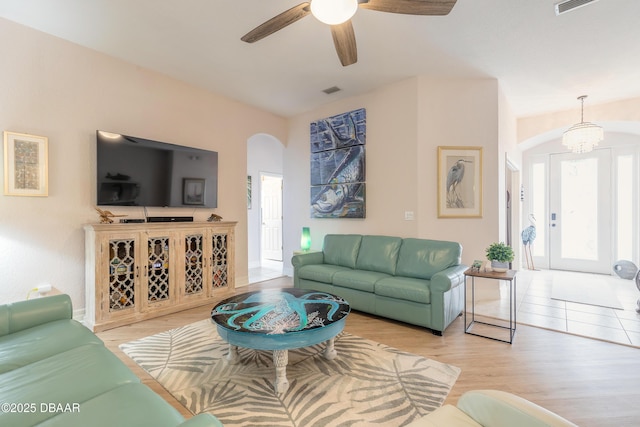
333, 12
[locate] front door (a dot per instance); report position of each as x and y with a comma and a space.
580, 212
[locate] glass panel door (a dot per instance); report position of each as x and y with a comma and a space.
580, 212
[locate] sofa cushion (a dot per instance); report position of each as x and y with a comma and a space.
37, 343
422, 258
361, 280
405, 288
73, 376
320, 272
118, 406
341, 249
379, 253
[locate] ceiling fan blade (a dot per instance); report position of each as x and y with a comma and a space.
411, 7
344, 39
278, 22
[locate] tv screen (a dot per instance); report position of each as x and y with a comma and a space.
133, 171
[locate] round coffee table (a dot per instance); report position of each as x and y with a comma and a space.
280, 320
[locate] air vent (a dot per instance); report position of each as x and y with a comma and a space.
569, 5
331, 90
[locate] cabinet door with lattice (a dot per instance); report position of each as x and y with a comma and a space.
192, 268
120, 282
220, 261
158, 288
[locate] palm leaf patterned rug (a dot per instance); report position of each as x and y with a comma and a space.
367, 384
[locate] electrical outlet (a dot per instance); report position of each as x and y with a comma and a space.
408, 215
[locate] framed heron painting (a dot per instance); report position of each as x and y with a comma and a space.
459, 182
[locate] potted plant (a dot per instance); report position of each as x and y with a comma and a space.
500, 256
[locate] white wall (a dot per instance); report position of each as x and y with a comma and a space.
53, 88
510, 177
460, 112
264, 155
406, 122
391, 183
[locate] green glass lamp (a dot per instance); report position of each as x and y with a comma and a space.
305, 239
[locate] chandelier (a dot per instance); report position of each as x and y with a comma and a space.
584, 136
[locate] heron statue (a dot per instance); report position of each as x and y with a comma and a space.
528, 236
454, 177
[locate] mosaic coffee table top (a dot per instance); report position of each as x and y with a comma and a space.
279, 311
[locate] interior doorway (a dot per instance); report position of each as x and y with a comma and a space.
271, 217
265, 228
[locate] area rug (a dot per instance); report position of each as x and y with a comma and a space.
367, 384
590, 291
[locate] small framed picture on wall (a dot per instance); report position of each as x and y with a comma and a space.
26, 165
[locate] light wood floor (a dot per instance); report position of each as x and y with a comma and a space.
590, 382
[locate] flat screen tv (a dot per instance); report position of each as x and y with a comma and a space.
133, 171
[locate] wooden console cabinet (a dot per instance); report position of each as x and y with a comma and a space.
136, 272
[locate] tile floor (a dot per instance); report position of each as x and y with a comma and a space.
267, 271
535, 306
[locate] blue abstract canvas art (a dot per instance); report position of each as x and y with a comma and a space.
338, 166
338, 201
343, 130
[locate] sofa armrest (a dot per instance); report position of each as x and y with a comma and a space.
22, 315
307, 258
202, 420
449, 278
493, 408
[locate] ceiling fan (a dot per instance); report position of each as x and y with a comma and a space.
338, 13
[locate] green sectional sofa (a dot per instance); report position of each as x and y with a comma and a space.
417, 281
56, 372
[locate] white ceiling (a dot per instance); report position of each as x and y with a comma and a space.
543, 61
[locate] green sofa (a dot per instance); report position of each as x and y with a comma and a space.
416, 281
492, 408
56, 372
